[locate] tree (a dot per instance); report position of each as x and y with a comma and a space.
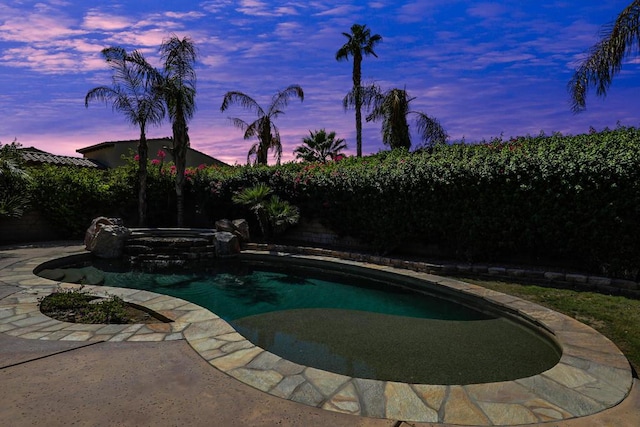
178, 88
14, 197
132, 93
392, 108
320, 146
604, 61
263, 127
359, 43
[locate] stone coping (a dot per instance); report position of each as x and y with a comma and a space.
592, 374
540, 276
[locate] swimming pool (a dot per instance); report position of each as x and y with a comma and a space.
355, 322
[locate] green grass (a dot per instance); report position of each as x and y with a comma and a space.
617, 318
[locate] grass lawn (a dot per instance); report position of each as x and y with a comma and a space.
617, 318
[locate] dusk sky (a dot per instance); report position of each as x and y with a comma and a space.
484, 69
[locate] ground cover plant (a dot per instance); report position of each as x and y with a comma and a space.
80, 306
616, 317
77, 305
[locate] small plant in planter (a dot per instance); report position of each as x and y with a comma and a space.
77, 305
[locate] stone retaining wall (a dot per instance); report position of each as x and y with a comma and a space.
156, 247
585, 282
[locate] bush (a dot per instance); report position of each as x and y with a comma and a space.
569, 200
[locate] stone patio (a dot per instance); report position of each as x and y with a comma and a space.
592, 375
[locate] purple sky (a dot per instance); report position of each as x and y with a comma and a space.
482, 68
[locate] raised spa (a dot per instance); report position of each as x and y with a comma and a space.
351, 320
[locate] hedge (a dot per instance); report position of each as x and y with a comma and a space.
572, 200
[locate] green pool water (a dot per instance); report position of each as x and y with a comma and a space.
352, 324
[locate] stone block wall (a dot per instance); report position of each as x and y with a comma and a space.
313, 232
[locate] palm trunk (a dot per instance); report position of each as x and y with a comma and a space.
357, 75
180, 145
143, 150
264, 143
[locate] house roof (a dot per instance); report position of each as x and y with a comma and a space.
166, 140
34, 156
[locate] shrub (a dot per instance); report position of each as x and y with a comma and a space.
570, 200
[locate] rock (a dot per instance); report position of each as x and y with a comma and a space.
95, 226
224, 225
226, 244
241, 229
91, 232
109, 240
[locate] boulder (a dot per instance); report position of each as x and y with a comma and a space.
241, 229
226, 244
108, 241
224, 225
95, 226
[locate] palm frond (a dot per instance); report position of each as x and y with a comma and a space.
281, 99
245, 101
604, 60
430, 129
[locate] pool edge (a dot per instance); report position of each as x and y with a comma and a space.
592, 374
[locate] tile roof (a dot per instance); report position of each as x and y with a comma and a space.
34, 156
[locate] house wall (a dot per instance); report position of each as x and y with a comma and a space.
111, 155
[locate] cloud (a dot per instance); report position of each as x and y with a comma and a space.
95, 20
262, 9
43, 25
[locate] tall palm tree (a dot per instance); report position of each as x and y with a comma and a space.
132, 94
605, 57
359, 43
262, 127
392, 108
178, 88
320, 146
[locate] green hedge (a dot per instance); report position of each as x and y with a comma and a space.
572, 200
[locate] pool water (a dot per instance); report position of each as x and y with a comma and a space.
354, 325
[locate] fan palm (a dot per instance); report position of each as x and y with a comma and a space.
605, 57
132, 94
393, 109
359, 43
263, 127
320, 146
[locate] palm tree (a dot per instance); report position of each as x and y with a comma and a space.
359, 43
178, 88
320, 146
605, 57
263, 127
393, 109
132, 93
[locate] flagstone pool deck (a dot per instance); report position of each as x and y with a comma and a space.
198, 370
